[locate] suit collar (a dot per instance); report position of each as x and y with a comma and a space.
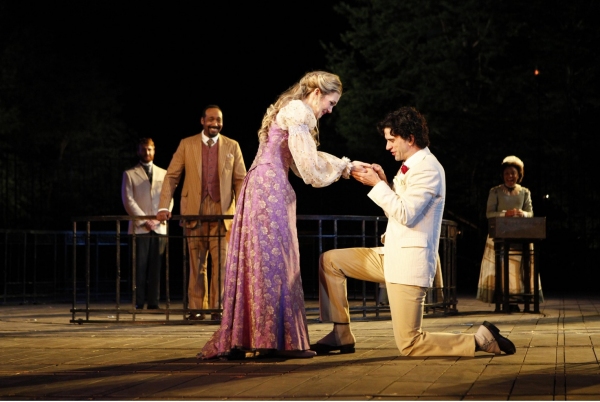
417, 157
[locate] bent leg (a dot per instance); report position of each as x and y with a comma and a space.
406, 307
334, 267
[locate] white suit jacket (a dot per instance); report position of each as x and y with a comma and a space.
140, 197
414, 207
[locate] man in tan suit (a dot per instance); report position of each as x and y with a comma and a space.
414, 205
140, 193
214, 172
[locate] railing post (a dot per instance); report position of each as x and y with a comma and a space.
24, 267
87, 269
5, 265
167, 281
185, 268
134, 272
118, 284
74, 270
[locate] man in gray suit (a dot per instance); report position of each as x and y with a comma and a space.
140, 193
414, 205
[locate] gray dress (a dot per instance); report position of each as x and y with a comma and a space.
500, 201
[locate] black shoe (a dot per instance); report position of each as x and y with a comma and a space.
216, 316
514, 308
196, 317
153, 307
504, 343
236, 354
323, 349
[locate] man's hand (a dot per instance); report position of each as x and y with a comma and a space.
162, 216
379, 170
368, 178
152, 224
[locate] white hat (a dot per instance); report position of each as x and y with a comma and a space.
513, 160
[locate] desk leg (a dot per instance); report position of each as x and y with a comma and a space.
506, 289
526, 260
536, 279
498, 286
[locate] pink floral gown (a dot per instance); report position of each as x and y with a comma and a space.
263, 301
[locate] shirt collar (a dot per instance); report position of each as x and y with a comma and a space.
205, 138
414, 158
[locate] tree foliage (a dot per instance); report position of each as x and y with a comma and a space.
57, 114
470, 67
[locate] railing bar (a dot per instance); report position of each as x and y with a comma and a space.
331, 231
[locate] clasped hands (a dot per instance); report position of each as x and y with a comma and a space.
151, 224
368, 174
514, 212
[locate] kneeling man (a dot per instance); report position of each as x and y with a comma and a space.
414, 205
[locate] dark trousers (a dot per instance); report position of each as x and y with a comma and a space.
150, 249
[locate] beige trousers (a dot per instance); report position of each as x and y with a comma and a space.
406, 303
204, 239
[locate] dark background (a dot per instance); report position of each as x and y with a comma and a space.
80, 81
171, 60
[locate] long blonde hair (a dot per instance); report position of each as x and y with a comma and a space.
326, 82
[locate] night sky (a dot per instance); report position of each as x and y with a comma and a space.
171, 60
168, 61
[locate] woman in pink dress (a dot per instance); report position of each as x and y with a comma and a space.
263, 301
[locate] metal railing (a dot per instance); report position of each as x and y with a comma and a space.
94, 267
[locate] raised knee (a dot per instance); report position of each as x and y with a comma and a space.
327, 260
324, 259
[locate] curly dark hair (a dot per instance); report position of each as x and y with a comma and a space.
405, 122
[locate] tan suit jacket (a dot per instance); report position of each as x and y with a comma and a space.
140, 197
415, 207
188, 158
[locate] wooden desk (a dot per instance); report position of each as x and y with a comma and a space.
507, 231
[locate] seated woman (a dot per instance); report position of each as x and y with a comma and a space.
508, 199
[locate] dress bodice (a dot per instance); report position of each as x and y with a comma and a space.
275, 150
500, 201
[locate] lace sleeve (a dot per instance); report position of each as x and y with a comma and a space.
296, 113
318, 169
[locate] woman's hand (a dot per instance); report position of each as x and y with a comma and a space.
358, 166
514, 212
